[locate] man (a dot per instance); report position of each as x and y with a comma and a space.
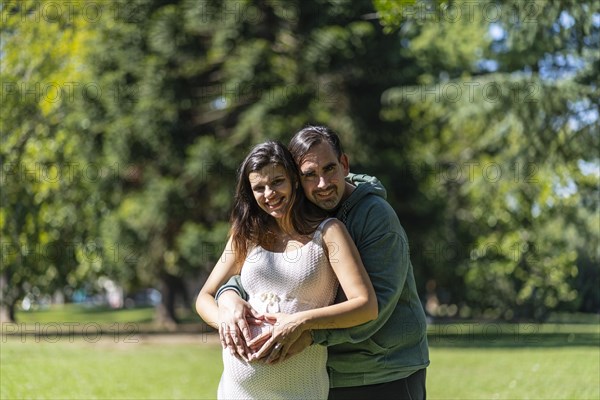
382, 359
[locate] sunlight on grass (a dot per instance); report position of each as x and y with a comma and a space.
107, 370
151, 370
79, 313
515, 373
469, 360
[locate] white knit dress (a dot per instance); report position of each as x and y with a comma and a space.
289, 282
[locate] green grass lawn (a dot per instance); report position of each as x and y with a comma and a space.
78, 313
514, 373
468, 361
103, 370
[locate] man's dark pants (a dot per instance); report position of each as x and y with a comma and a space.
410, 388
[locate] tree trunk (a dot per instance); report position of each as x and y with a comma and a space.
7, 313
171, 287
8, 301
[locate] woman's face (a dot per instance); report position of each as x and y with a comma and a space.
272, 190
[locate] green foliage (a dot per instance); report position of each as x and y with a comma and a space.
480, 118
499, 148
201, 85
47, 213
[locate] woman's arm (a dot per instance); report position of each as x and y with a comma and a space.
361, 303
232, 326
360, 306
206, 306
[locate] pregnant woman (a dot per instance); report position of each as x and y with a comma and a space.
291, 261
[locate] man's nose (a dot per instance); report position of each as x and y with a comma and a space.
322, 182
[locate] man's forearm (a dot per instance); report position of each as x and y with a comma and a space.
234, 283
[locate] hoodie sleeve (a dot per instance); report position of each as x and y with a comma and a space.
234, 283
383, 248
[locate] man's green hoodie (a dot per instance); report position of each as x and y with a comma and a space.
394, 345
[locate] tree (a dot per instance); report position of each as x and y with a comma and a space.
198, 85
485, 145
501, 129
46, 216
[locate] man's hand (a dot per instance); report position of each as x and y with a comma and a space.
235, 316
304, 341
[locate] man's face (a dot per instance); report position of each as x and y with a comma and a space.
323, 176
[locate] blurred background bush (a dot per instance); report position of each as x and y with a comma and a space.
123, 123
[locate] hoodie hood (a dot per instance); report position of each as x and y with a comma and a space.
365, 185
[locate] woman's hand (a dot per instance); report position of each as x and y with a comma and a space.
235, 318
287, 328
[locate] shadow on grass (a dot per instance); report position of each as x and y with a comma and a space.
507, 335
93, 332
90, 322
75, 320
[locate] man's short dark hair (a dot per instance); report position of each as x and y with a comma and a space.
311, 136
